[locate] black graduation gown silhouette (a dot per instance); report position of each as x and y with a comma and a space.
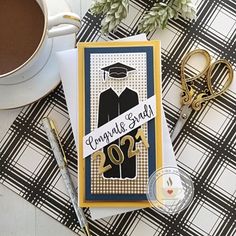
110, 106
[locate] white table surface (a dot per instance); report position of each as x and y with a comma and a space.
17, 216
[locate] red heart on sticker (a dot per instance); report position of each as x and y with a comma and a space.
170, 191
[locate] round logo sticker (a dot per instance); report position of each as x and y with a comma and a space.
170, 190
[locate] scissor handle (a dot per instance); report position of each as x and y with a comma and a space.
188, 91
203, 97
227, 83
186, 59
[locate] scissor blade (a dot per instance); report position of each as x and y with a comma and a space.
184, 115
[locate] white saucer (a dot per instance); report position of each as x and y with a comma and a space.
36, 87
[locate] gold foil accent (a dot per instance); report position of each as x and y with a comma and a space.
102, 156
118, 151
131, 151
71, 17
140, 134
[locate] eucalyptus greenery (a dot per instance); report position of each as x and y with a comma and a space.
185, 8
160, 13
157, 17
114, 11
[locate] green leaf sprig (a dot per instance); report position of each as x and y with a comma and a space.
157, 17
160, 13
185, 8
114, 11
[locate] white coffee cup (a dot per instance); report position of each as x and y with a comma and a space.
40, 56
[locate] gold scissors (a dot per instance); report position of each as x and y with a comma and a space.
191, 101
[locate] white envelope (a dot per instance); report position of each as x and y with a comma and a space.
68, 64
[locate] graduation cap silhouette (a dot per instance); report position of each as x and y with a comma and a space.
117, 71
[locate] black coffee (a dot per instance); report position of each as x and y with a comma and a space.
21, 29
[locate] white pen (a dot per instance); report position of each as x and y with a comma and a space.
59, 154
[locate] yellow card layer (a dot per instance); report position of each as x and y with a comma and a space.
114, 79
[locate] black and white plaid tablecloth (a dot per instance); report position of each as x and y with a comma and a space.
206, 148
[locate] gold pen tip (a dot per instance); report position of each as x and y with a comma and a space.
86, 231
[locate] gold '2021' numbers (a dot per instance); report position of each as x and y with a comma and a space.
131, 151
115, 148
140, 134
102, 156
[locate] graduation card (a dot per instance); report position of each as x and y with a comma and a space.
120, 140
